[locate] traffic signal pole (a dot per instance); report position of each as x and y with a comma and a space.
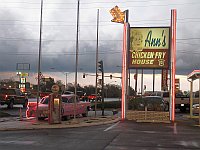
102, 90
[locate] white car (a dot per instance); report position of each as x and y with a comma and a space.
195, 109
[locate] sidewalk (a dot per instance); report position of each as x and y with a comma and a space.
15, 123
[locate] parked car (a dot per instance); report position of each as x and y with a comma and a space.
153, 103
195, 109
67, 107
43, 94
92, 97
68, 92
12, 96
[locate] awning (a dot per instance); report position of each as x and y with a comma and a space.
194, 75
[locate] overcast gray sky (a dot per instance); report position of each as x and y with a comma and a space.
19, 32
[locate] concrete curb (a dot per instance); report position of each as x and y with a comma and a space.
28, 125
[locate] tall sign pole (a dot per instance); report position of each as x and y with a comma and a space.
173, 64
125, 66
122, 17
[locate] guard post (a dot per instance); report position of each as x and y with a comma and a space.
55, 106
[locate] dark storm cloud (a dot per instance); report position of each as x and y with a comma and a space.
65, 61
188, 51
13, 45
19, 45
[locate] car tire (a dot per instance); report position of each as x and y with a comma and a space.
41, 118
166, 108
11, 104
85, 114
65, 118
89, 108
183, 109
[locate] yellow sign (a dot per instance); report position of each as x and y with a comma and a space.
149, 47
24, 74
118, 16
149, 38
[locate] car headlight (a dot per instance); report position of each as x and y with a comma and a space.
141, 105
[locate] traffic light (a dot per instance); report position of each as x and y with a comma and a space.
111, 76
100, 66
83, 75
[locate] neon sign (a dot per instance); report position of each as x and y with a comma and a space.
149, 47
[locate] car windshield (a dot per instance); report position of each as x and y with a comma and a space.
45, 100
68, 92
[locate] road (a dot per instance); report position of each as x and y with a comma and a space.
123, 135
126, 135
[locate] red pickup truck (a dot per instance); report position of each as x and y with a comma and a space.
11, 96
92, 97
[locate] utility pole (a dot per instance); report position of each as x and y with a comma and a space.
97, 51
76, 70
39, 59
66, 81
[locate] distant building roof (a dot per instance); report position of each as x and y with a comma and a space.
194, 75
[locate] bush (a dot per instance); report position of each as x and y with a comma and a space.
133, 104
107, 105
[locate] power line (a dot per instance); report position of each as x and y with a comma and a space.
84, 3
103, 7
62, 54
116, 40
105, 23
23, 39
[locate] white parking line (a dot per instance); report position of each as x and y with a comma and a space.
175, 129
109, 128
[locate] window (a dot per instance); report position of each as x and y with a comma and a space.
45, 100
71, 99
65, 100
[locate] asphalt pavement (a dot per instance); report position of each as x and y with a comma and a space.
122, 135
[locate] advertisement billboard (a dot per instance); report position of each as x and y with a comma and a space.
149, 47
